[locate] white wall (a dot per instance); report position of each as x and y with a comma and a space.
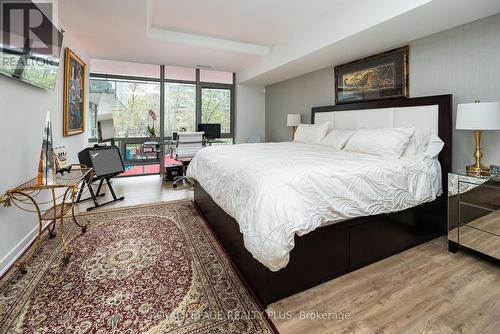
22, 115
250, 112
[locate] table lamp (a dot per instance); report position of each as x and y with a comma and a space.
478, 116
293, 120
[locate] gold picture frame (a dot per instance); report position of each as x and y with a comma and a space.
75, 80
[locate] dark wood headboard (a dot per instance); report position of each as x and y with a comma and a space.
444, 127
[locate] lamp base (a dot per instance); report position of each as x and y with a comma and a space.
477, 169
294, 129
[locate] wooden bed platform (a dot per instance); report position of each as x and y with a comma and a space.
339, 248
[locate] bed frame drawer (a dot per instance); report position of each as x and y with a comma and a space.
388, 234
315, 258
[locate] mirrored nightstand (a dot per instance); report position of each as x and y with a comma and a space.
474, 213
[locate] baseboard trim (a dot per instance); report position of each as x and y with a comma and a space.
8, 261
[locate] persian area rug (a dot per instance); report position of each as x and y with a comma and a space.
145, 269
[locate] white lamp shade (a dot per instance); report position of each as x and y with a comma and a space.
478, 116
293, 120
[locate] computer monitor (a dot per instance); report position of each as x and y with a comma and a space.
211, 130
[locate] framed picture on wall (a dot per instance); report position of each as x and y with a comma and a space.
75, 71
381, 76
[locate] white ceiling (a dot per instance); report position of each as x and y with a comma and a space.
122, 29
117, 30
264, 41
265, 22
384, 24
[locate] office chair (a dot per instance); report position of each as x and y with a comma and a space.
186, 146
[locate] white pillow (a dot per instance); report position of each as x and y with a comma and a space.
311, 133
434, 148
337, 138
389, 142
418, 144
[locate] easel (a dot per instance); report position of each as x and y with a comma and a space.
94, 195
100, 158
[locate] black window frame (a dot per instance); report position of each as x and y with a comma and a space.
162, 81
231, 88
199, 86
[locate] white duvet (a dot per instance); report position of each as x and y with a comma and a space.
277, 190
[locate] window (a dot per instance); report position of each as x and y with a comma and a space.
180, 107
129, 95
93, 120
136, 107
216, 108
128, 104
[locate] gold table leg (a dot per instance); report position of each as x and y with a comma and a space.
52, 227
26, 190
73, 195
67, 250
22, 264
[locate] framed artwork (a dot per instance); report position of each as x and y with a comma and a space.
75, 71
378, 77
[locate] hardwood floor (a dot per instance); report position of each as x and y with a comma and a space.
423, 290
140, 190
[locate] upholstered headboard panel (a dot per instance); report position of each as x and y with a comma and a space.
430, 112
423, 117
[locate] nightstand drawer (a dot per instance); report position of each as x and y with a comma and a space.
480, 241
489, 223
469, 212
474, 213
486, 195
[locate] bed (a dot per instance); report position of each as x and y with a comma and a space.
278, 226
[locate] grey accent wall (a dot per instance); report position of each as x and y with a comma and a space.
296, 95
464, 61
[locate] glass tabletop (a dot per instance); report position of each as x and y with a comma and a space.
482, 175
67, 179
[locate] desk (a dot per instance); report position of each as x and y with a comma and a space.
210, 142
26, 197
169, 144
206, 142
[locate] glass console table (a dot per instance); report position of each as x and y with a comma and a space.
474, 213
